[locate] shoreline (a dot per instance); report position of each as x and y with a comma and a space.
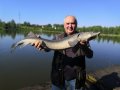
104, 79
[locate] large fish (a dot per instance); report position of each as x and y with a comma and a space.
64, 43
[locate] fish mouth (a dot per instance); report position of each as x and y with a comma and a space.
98, 33
94, 35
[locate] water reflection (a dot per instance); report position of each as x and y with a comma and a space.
28, 66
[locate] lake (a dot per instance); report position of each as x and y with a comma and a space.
27, 66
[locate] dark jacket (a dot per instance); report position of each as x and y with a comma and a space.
69, 64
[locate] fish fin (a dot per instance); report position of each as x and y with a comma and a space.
31, 35
72, 43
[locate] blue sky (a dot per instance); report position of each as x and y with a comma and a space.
87, 12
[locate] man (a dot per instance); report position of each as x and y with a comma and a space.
68, 66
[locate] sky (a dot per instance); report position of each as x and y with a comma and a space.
41, 12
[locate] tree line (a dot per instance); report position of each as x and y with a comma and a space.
12, 26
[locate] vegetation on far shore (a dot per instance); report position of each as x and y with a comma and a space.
12, 26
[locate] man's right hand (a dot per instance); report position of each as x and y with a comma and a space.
37, 44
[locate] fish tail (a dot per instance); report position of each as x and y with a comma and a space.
17, 44
13, 47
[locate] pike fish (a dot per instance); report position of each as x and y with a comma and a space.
64, 43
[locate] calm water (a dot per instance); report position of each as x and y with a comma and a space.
28, 66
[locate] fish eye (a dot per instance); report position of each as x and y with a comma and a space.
78, 35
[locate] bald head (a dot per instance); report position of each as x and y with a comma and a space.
70, 24
70, 18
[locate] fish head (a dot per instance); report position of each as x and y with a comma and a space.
87, 36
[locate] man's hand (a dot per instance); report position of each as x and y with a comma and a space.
83, 42
37, 44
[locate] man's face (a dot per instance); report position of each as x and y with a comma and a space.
70, 25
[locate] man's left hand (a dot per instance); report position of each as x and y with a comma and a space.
83, 42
